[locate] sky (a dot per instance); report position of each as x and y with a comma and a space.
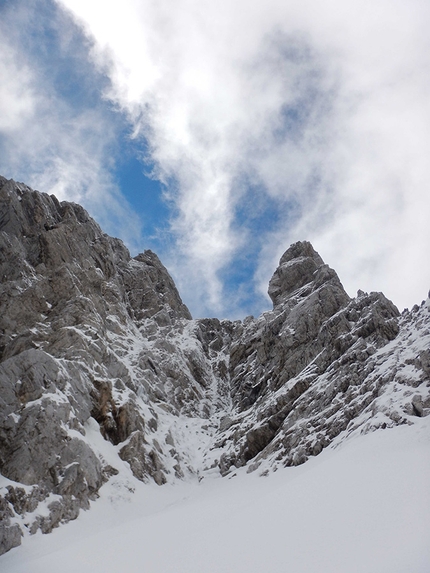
218, 133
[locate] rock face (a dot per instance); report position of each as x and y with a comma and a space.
98, 348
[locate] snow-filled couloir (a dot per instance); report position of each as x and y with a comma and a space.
102, 368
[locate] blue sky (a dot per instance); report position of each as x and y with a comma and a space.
216, 135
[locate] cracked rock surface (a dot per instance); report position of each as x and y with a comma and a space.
97, 345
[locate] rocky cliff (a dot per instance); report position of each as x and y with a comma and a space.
94, 342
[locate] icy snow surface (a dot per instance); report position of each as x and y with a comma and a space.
363, 507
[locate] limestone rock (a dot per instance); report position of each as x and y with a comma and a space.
92, 340
144, 462
10, 533
296, 268
277, 346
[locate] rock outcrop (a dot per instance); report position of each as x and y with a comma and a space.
97, 347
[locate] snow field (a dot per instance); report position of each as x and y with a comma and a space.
363, 507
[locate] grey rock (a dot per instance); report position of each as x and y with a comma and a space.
296, 268
10, 533
90, 337
276, 347
10, 536
144, 461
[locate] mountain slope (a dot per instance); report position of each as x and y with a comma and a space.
97, 345
362, 508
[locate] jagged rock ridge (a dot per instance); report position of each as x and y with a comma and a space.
94, 340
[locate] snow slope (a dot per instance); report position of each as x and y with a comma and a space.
363, 507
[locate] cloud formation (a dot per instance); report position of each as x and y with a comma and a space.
319, 107
267, 122
45, 140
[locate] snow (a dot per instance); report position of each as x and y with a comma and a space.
363, 507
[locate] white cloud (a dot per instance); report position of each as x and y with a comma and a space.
322, 106
49, 144
207, 93
16, 98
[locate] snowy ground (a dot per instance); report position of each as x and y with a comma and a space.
361, 508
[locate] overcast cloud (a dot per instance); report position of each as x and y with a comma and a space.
269, 122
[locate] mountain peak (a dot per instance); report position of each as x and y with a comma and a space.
301, 249
104, 374
301, 265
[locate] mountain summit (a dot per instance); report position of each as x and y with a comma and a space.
103, 371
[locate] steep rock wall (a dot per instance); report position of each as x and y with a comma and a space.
91, 338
